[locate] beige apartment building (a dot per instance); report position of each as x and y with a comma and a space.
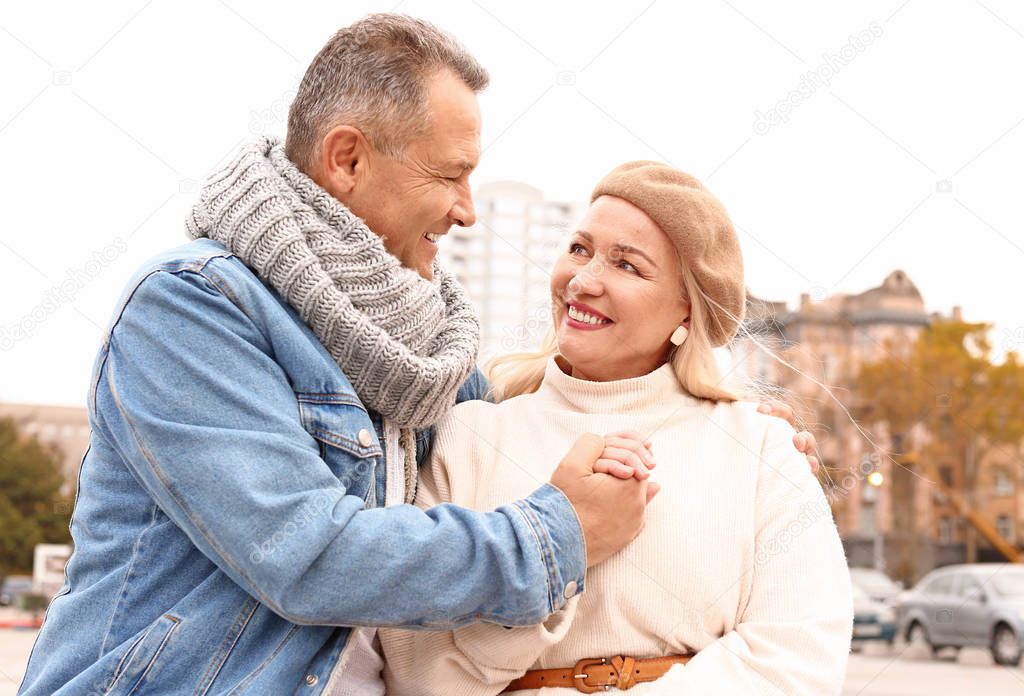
64, 427
890, 515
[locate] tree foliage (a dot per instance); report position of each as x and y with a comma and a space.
32, 508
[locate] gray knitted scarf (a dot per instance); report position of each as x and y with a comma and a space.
406, 343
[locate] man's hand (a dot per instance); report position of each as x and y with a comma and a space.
611, 510
803, 441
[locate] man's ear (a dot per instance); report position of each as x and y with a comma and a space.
343, 156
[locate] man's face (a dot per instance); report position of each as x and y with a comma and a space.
413, 200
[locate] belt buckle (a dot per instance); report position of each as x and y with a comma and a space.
580, 676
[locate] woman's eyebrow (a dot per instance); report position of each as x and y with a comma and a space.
624, 248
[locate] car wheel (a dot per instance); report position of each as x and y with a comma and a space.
1006, 648
919, 637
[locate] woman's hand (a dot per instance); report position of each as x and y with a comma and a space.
803, 441
627, 454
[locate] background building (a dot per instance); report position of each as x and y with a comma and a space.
64, 427
505, 261
906, 524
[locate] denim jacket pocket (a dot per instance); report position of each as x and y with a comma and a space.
348, 441
138, 663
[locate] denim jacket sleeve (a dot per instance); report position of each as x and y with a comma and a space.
205, 418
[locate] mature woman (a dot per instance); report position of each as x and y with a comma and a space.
738, 583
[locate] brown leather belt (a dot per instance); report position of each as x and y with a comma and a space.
599, 674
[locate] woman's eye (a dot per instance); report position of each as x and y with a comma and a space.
575, 248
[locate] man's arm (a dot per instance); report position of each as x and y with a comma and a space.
208, 423
476, 660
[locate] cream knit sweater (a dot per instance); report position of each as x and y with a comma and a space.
739, 560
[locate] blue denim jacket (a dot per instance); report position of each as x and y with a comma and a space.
230, 523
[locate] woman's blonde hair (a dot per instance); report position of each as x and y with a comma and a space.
693, 362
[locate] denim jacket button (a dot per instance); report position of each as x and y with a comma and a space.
365, 438
570, 589
312, 679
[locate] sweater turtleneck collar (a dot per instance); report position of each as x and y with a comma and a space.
660, 387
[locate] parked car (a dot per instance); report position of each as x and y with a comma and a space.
13, 587
879, 586
978, 604
872, 620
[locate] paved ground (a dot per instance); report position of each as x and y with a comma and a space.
15, 645
880, 671
876, 671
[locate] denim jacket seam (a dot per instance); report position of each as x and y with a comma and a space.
163, 643
263, 665
105, 348
173, 493
127, 575
332, 438
330, 398
542, 547
208, 273
345, 445
579, 524
249, 608
197, 267
122, 663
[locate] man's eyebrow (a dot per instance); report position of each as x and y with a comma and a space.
625, 248
463, 164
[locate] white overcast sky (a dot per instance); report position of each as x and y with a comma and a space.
109, 112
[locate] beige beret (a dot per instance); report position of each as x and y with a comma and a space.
697, 224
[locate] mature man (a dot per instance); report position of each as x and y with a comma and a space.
263, 396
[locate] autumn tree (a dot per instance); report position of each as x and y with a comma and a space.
945, 385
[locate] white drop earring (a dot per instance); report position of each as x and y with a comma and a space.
679, 335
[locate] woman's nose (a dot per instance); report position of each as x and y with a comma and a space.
588, 280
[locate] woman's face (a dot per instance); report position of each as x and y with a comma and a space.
617, 293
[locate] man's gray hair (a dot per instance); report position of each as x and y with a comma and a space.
372, 76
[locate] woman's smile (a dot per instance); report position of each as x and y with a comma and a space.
585, 318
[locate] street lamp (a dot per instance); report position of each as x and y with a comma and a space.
875, 480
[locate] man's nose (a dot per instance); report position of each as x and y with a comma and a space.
463, 213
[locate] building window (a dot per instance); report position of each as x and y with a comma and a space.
1004, 486
946, 474
1005, 526
946, 530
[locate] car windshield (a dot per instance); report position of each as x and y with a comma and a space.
873, 581
859, 595
1008, 583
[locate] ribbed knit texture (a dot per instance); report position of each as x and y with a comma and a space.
405, 343
739, 560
